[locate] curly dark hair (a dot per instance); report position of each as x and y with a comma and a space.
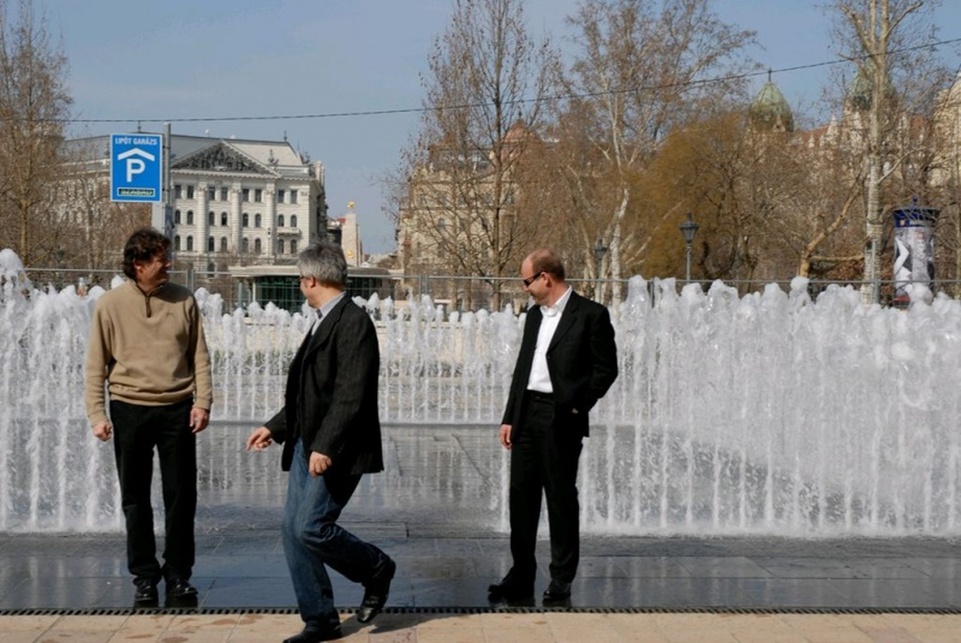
143, 245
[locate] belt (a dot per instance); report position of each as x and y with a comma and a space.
538, 396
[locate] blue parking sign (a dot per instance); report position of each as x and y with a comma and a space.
136, 167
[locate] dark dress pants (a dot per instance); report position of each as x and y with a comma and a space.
137, 431
544, 457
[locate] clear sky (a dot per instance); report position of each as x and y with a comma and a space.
219, 59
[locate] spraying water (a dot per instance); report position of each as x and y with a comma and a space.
770, 413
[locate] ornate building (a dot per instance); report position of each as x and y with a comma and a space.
236, 201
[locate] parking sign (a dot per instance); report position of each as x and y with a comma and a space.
136, 167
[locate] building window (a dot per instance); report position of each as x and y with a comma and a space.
293, 196
280, 221
258, 195
245, 195
223, 244
223, 218
280, 247
293, 221
190, 243
211, 194
190, 191
245, 245
257, 220
190, 217
177, 243
293, 246
257, 246
280, 196
246, 220
223, 194
210, 244
210, 267
178, 191
211, 218
176, 217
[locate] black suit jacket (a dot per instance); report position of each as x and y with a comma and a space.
581, 360
331, 397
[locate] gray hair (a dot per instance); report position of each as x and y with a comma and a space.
324, 261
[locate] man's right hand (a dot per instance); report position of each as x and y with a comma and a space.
102, 430
260, 439
505, 436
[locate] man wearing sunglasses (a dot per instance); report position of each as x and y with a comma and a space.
567, 361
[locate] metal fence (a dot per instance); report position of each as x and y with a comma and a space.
453, 293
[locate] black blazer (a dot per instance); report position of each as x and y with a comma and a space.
581, 360
331, 395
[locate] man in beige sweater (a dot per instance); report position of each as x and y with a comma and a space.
147, 344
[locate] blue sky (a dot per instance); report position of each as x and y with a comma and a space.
184, 59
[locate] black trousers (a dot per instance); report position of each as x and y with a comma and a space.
544, 458
137, 431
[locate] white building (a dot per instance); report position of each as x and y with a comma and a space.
236, 201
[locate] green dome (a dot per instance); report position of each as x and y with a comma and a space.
770, 109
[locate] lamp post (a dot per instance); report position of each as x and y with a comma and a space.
599, 251
688, 229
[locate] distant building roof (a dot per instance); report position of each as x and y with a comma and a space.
771, 110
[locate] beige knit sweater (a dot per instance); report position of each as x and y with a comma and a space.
149, 348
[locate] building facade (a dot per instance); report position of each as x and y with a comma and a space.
236, 201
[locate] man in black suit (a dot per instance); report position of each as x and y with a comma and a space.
567, 361
331, 435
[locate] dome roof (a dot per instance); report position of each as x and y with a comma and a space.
771, 110
861, 90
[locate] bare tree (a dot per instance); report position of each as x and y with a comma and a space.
34, 104
896, 78
487, 83
640, 71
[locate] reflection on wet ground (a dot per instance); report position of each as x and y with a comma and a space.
438, 511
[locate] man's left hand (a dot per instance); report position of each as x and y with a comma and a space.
199, 418
318, 463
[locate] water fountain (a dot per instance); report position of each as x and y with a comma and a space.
770, 413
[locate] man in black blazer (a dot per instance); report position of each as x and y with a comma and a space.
567, 361
331, 435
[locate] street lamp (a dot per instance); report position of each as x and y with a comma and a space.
599, 251
688, 229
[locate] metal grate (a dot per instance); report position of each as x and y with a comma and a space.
121, 611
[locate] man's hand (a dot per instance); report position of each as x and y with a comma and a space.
102, 430
318, 463
260, 439
199, 418
505, 436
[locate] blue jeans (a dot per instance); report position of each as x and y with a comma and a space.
313, 540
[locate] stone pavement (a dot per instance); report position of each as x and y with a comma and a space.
493, 627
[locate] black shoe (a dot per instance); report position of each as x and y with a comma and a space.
557, 591
375, 593
179, 588
511, 590
145, 592
314, 634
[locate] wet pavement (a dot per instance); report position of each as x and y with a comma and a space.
445, 530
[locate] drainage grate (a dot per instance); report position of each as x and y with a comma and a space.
122, 611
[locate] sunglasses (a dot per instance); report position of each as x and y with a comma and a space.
527, 282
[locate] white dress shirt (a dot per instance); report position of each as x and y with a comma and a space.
540, 378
